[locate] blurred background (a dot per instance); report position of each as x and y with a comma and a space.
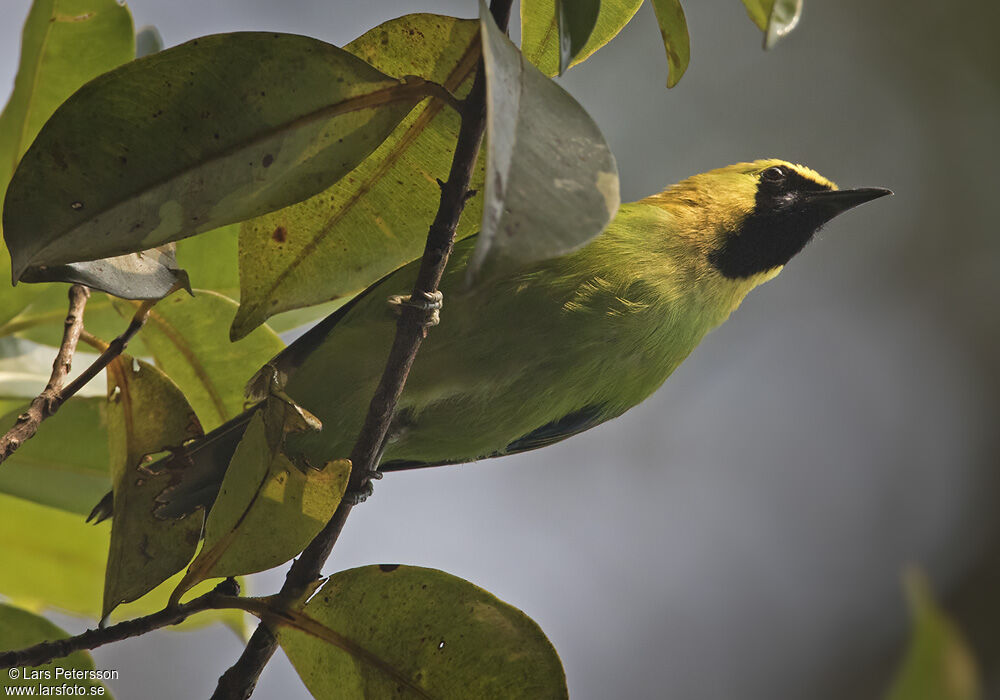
742, 533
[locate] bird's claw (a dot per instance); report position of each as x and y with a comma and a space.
360, 495
430, 303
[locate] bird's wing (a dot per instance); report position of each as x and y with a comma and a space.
555, 431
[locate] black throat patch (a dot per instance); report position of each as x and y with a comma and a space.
781, 224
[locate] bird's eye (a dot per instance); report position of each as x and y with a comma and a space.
775, 173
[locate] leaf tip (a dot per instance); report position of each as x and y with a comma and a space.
247, 318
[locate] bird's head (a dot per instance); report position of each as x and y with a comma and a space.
752, 218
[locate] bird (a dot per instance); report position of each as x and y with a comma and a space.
552, 348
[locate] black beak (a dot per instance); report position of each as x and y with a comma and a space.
830, 203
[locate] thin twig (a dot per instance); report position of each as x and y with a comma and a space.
115, 348
238, 682
53, 395
222, 597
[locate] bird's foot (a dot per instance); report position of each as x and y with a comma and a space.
359, 495
430, 304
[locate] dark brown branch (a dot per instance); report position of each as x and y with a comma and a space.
218, 599
238, 682
53, 395
115, 348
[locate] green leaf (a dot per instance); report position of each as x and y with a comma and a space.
267, 510
384, 630
211, 260
296, 318
540, 31
64, 44
782, 20
759, 11
375, 219
66, 464
576, 20
673, 28
19, 629
776, 18
187, 338
151, 274
61, 562
214, 131
938, 663
146, 414
552, 182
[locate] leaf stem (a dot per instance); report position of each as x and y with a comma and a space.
238, 682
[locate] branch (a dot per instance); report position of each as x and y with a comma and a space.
238, 682
52, 396
222, 597
113, 349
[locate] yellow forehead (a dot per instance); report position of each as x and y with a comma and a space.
759, 165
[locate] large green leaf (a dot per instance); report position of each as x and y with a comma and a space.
673, 28
65, 465
64, 44
375, 219
576, 20
147, 414
188, 340
552, 182
404, 632
60, 563
540, 31
938, 663
267, 510
211, 261
20, 629
214, 131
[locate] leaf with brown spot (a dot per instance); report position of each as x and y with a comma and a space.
106, 177
147, 414
375, 219
408, 631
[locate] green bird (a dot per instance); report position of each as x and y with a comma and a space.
554, 348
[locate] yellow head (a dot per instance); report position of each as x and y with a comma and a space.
747, 220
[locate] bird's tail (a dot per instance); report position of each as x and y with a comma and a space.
201, 466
